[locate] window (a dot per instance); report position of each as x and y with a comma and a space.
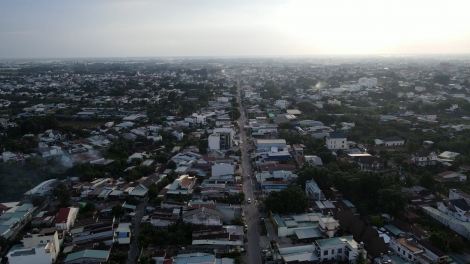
325, 252
332, 252
398, 250
41, 241
48, 241
409, 256
340, 250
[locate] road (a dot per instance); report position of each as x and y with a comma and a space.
252, 217
133, 247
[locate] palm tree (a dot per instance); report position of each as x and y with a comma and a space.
360, 259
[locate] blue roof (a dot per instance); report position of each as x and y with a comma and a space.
337, 135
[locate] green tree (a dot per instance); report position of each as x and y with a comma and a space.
117, 210
428, 181
360, 258
392, 201
289, 200
376, 220
456, 244
438, 240
171, 165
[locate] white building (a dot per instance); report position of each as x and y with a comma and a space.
66, 218
336, 141
334, 102
313, 191
41, 254
368, 82
196, 119
44, 236
420, 89
343, 248
281, 104
220, 141
460, 227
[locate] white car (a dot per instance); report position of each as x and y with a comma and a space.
249, 200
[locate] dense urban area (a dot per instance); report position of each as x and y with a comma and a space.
235, 161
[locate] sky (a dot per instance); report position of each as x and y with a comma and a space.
141, 28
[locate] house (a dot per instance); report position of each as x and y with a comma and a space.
40, 254
283, 104
305, 226
221, 121
367, 162
406, 248
204, 216
313, 191
88, 256
335, 141
270, 145
425, 158
184, 184
393, 141
460, 227
449, 177
221, 169
298, 149
46, 236
66, 218
343, 249
313, 160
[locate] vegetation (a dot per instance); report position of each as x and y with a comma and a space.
286, 201
176, 234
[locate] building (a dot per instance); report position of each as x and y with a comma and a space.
367, 162
44, 236
425, 158
220, 141
460, 227
313, 191
221, 169
204, 216
451, 177
335, 141
41, 254
393, 141
305, 226
88, 256
66, 218
283, 104
367, 82
344, 249
274, 145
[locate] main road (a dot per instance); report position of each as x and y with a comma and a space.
252, 217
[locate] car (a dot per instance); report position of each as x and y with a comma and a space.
249, 200
246, 227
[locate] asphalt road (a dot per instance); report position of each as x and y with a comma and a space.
134, 246
251, 211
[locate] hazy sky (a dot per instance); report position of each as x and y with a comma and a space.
95, 28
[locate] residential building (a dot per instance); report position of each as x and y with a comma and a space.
221, 169
283, 104
44, 236
313, 191
204, 216
335, 141
305, 226
425, 158
393, 141
460, 227
367, 162
41, 254
88, 256
451, 177
344, 249
220, 141
66, 218
270, 145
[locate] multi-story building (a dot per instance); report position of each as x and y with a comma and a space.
220, 141
425, 158
270, 144
313, 191
343, 249
336, 141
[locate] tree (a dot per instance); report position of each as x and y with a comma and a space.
237, 221
360, 258
117, 210
456, 244
438, 240
376, 220
392, 201
171, 165
289, 200
428, 181
63, 194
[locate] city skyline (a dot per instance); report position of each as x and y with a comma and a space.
30, 29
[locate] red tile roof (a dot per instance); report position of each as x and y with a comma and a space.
62, 215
